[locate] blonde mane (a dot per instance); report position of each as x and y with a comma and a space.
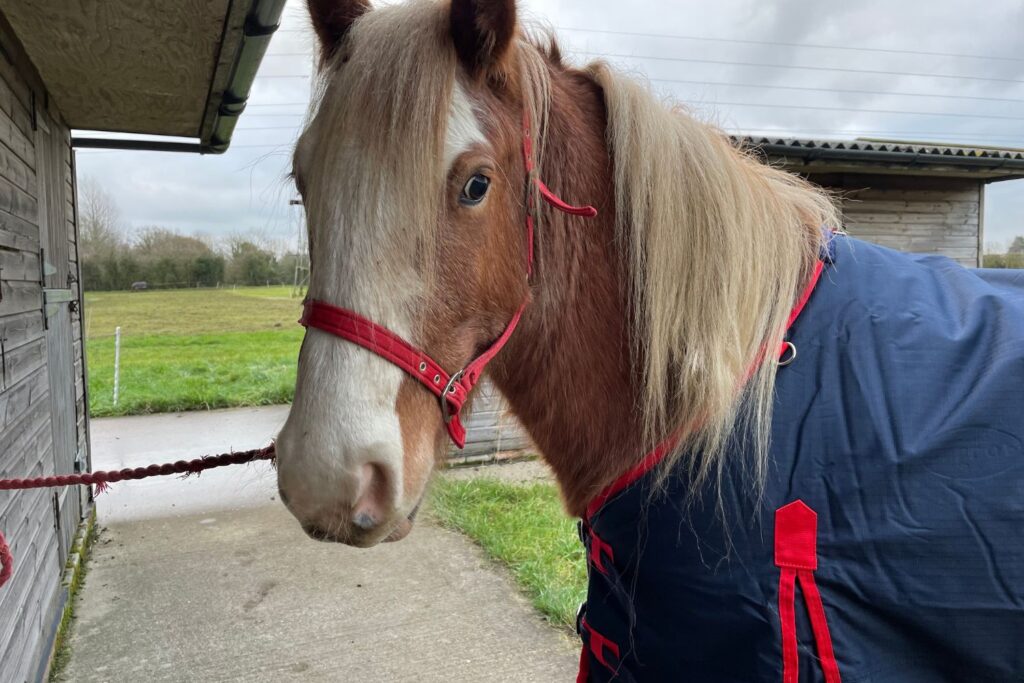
718, 246
383, 102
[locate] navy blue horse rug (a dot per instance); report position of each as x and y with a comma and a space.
889, 544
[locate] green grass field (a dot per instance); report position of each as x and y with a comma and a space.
525, 528
192, 349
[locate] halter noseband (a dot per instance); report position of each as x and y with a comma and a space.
452, 390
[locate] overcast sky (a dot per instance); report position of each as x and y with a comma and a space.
950, 71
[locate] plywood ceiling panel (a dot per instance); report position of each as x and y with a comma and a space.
142, 66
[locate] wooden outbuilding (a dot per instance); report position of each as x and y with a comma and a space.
129, 66
911, 196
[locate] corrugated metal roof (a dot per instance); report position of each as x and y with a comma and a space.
890, 156
891, 146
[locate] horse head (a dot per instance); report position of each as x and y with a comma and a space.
412, 175
421, 171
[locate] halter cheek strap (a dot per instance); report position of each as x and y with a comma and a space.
452, 390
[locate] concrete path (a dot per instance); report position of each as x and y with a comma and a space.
208, 591
120, 442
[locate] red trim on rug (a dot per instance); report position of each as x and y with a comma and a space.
598, 551
787, 616
658, 454
597, 644
640, 469
805, 296
584, 673
819, 625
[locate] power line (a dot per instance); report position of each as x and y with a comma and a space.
798, 45
762, 86
801, 67
772, 86
295, 127
792, 107
277, 104
741, 41
792, 131
859, 110
787, 132
760, 65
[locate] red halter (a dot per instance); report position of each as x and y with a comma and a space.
451, 390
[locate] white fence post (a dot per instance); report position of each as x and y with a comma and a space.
117, 362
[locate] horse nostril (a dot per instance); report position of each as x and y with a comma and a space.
374, 500
364, 521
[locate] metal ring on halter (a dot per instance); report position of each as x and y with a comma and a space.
788, 355
449, 388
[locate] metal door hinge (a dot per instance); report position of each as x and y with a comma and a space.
53, 298
45, 267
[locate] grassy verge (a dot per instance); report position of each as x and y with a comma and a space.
525, 528
192, 349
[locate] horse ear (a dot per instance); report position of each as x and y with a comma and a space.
483, 31
332, 19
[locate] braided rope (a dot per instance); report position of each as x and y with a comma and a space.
101, 479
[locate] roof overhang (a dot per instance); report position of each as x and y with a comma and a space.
884, 157
148, 66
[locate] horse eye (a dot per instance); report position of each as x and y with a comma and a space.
474, 190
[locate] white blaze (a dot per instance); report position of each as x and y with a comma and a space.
464, 129
344, 416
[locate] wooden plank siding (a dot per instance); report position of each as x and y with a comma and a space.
490, 427
37, 209
912, 213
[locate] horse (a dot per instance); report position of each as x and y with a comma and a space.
726, 387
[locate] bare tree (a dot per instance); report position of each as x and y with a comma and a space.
101, 229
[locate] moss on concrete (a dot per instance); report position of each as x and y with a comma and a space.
74, 577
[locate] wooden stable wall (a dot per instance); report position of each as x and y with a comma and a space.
43, 423
913, 213
491, 428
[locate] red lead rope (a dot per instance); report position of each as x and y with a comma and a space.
451, 389
101, 479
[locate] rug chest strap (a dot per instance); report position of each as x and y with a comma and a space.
796, 556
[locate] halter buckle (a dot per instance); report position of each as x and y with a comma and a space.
449, 388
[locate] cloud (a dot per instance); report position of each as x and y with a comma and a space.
246, 188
